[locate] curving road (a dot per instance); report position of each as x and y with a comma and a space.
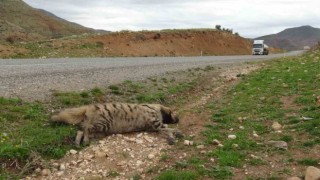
33, 79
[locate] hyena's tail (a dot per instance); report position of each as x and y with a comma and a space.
71, 116
167, 116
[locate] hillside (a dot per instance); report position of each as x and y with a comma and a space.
20, 22
293, 38
193, 42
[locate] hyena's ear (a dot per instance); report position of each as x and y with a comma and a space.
167, 116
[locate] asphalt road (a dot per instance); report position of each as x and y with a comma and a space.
33, 79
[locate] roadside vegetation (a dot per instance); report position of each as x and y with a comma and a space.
283, 91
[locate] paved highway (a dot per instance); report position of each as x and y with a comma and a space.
32, 79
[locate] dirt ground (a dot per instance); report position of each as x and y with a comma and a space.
8, 51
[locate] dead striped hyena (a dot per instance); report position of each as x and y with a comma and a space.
114, 118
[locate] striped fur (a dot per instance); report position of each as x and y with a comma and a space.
114, 118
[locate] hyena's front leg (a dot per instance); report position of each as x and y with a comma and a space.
164, 130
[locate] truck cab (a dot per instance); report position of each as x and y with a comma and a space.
259, 48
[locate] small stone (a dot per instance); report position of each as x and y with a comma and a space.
200, 146
139, 141
262, 98
122, 163
232, 136
72, 151
60, 173
186, 142
216, 142
62, 167
279, 144
211, 159
150, 156
241, 127
220, 145
276, 126
312, 173
45, 172
148, 139
38, 170
254, 156
100, 154
235, 145
102, 142
89, 157
55, 165
203, 152
139, 163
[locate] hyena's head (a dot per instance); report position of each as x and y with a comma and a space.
167, 116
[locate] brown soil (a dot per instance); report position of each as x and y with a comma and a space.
148, 43
8, 51
184, 43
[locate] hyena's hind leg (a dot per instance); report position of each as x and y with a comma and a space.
86, 140
78, 138
82, 134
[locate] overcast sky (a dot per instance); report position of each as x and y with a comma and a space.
250, 18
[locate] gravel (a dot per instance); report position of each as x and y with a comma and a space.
35, 79
116, 157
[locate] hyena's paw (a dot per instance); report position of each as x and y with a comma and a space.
171, 141
178, 134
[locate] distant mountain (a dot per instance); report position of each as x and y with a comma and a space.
21, 22
293, 38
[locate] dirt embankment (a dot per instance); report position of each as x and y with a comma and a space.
175, 43
192, 42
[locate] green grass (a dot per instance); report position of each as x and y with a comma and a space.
25, 129
256, 102
177, 175
308, 162
78, 98
221, 172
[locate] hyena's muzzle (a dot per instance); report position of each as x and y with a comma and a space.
168, 117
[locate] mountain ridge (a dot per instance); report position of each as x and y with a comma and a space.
295, 38
21, 22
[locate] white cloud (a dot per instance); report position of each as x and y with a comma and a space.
250, 18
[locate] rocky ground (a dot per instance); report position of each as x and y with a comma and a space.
118, 156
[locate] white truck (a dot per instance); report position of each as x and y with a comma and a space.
259, 48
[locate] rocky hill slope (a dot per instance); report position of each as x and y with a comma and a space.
20, 22
293, 38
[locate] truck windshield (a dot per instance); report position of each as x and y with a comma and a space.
257, 45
